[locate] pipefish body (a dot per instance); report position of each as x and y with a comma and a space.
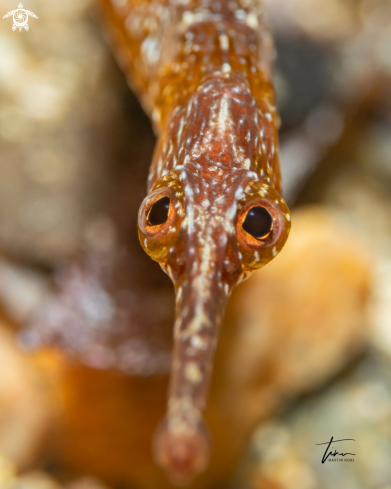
214, 212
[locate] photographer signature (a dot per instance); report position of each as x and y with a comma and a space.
330, 453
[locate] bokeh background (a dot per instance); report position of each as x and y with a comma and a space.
74, 153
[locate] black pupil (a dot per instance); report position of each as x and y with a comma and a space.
159, 212
258, 222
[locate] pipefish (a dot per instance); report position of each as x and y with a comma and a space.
214, 211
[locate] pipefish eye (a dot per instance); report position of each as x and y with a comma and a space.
258, 223
159, 222
262, 228
158, 213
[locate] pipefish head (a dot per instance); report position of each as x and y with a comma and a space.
210, 222
248, 227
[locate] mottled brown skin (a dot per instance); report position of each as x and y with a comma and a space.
202, 70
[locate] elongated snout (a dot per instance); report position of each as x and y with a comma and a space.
182, 441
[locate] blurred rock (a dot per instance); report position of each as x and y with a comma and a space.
22, 290
333, 21
63, 129
35, 480
41, 480
361, 191
86, 483
26, 407
357, 407
361, 32
38, 479
7, 473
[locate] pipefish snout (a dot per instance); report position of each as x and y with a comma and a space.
214, 213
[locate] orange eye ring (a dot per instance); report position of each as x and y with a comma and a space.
268, 221
158, 232
154, 220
